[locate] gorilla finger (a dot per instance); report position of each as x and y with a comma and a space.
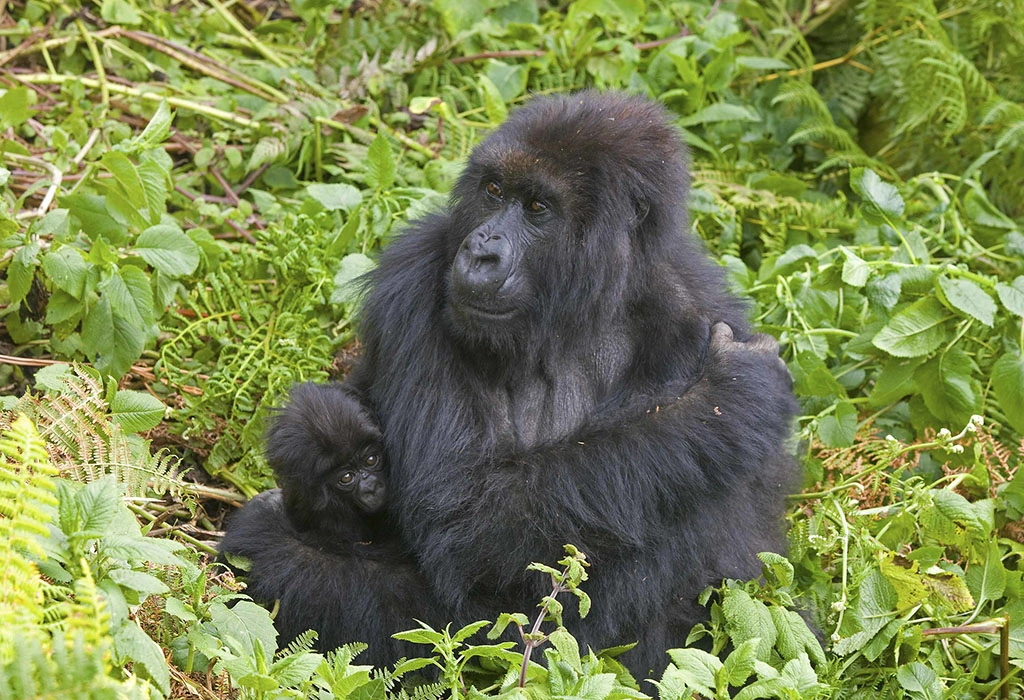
721, 335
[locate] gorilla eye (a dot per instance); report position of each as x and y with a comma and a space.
537, 206
347, 478
372, 460
494, 189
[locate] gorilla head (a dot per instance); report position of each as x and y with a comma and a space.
328, 456
562, 206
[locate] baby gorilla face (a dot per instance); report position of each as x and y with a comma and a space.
362, 480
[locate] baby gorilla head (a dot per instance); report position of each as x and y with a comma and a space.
338, 477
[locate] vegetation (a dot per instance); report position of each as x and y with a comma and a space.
187, 190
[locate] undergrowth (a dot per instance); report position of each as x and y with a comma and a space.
188, 190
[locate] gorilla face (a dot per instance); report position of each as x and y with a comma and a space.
493, 277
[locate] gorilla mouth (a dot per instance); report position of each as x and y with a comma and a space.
485, 313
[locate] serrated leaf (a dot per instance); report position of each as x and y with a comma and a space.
967, 297
794, 636
494, 103
739, 665
1008, 386
110, 341
720, 112
335, 197
987, 580
746, 618
567, 647
67, 269
155, 184
919, 681
883, 198
136, 548
98, 502
884, 291
21, 271
158, 129
168, 249
136, 411
127, 176
380, 164
1012, 295
895, 381
131, 643
268, 149
14, 107
138, 581
916, 330
695, 668
132, 303
96, 220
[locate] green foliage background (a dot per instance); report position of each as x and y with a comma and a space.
188, 189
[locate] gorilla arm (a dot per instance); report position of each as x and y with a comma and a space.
628, 482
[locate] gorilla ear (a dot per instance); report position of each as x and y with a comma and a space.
641, 208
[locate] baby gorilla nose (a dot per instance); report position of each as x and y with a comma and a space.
482, 264
371, 493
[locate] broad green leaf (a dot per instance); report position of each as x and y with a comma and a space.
977, 516
1012, 295
380, 164
143, 549
14, 107
840, 427
720, 112
136, 411
794, 636
268, 150
130, 295
567, 647
120, 12
509, 78
158, 129
96, 220
739, 665
98, 502
127, 176
346, 285
883, 198
1008, 386
174, 606
895, 381
494, 104
625, 13
21, 271
168, 249
762, 63
111, 342
884, 291
916, 330
50, 378
987, 580
695, 668
67, 269
949, 388
132, 644
336, 196
746, 618
967, 297
155, 181
919, 681
855, 270
138, 581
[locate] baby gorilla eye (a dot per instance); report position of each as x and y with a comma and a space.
372, 460
537, 206
347, 478
494, 189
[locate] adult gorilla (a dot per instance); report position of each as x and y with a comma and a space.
554, 359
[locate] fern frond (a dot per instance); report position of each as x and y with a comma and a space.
26, 490
88, 618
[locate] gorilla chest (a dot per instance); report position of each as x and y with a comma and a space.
536, 409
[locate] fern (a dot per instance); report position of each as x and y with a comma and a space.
26, 491
86, 443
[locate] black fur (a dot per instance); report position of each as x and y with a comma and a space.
555, 374
326, 524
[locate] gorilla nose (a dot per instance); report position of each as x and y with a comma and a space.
483, 262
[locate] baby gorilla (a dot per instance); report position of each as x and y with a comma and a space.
333, 491
327, 454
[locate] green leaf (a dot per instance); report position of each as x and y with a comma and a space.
762, 63
1008, 386
131, 643
138, 581
1012, 295
130, 297
139, 549
855, 270
136, 411
916, 330
987, 581
949, 388
968, 298
110, 341
895, 381
168, 249
155, 181
346, 286
51, 378
919, 681
883, 198
739, 665
96, 220
14, 109
127, 176
494, 103
885, 291
67, 269
695, 668
721, 112
380, 164
21, 271
839, 428
120, 12
746, 618
158, 129
567, 647
335, 197
98, 502
794, 636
